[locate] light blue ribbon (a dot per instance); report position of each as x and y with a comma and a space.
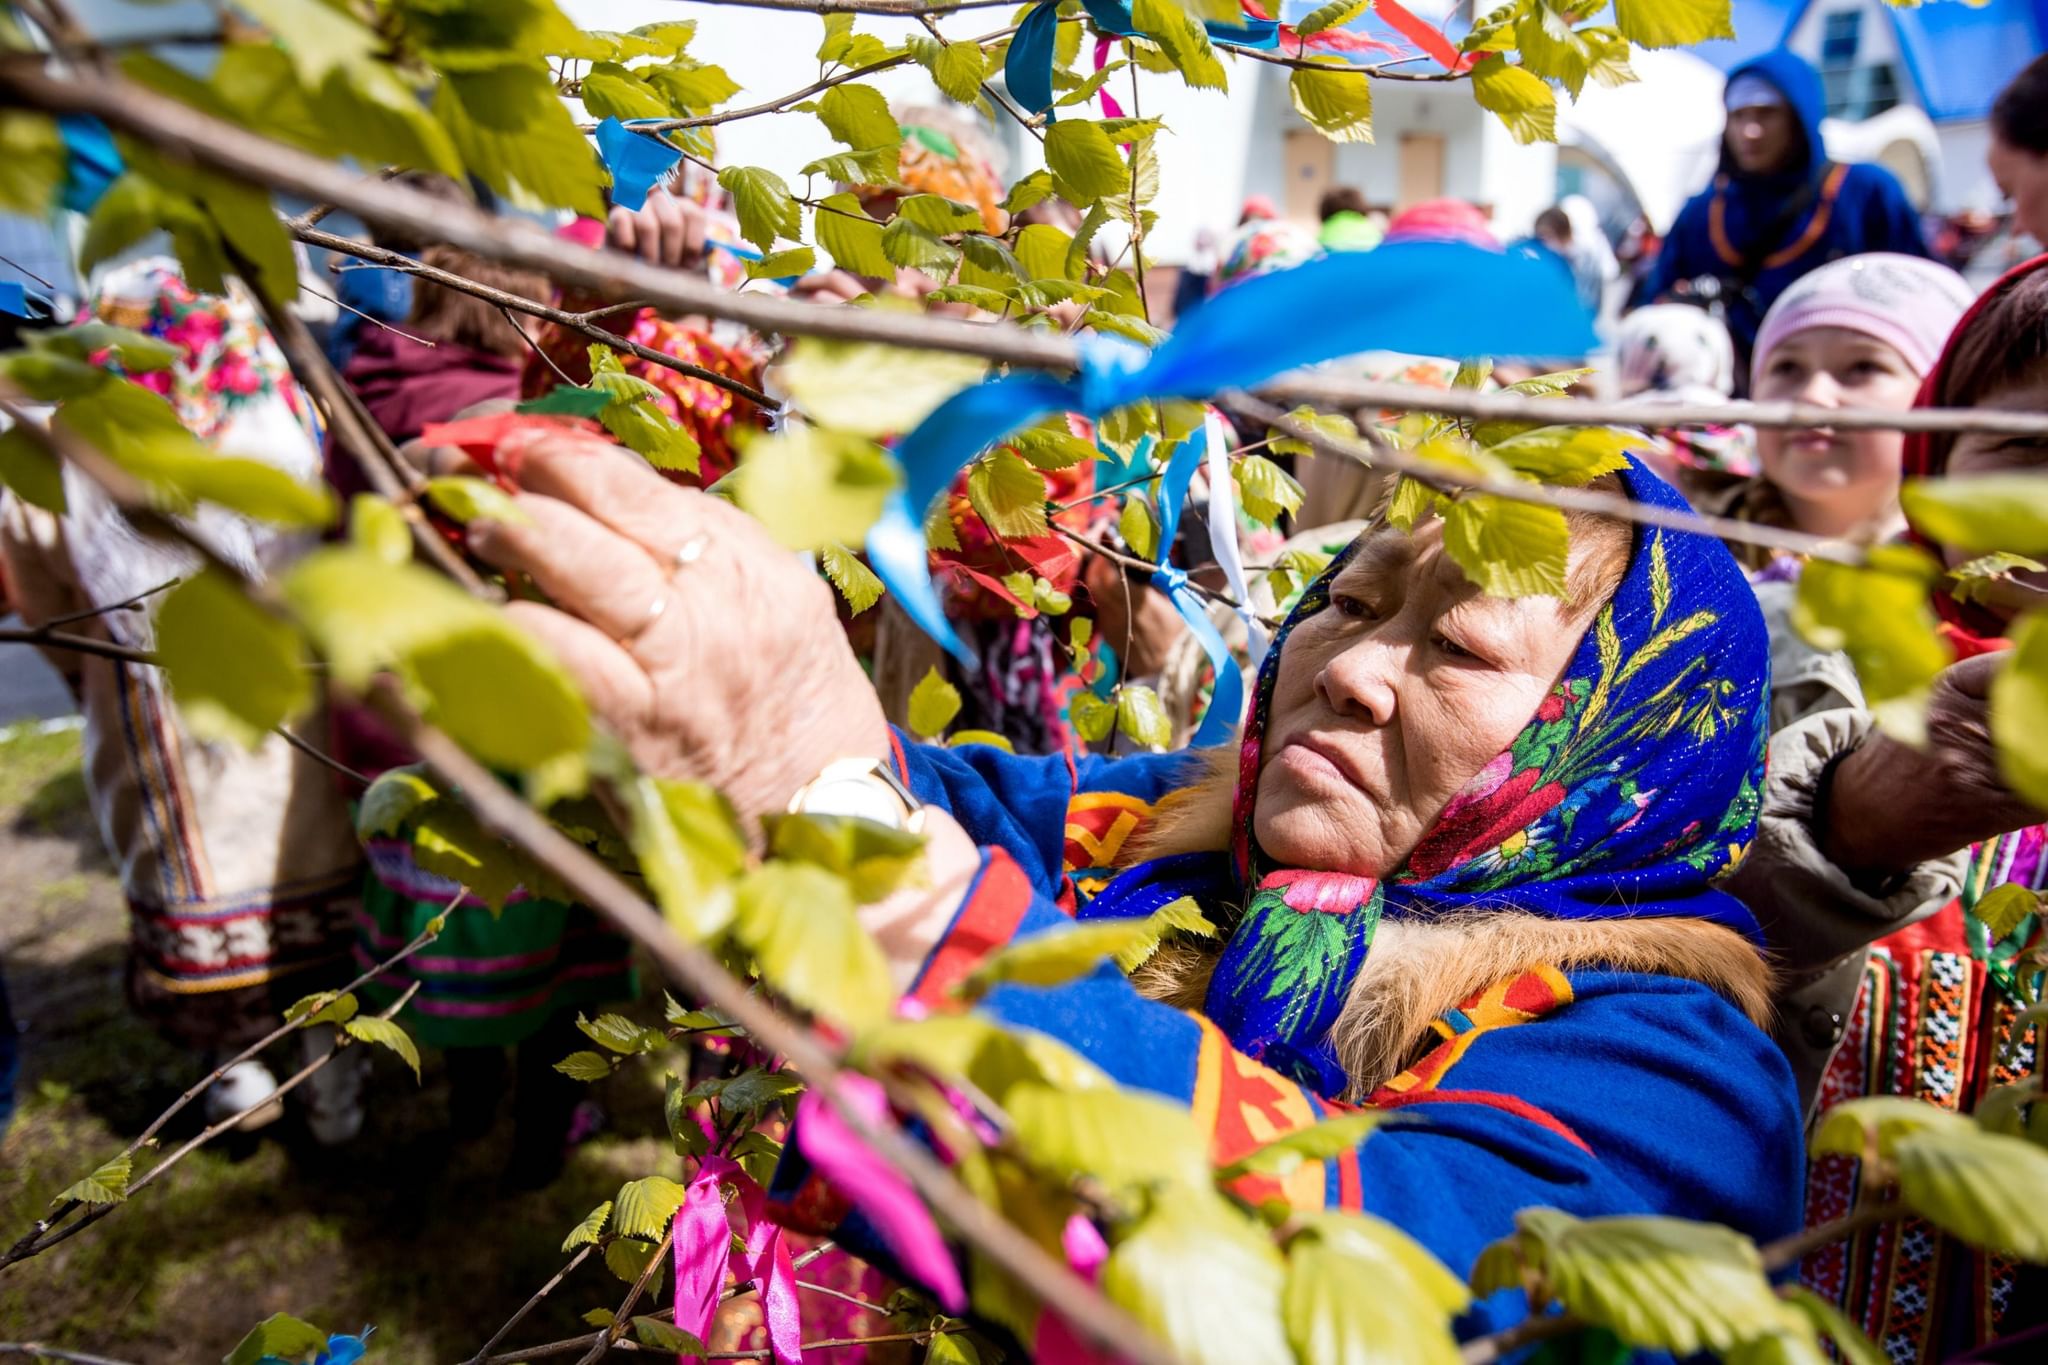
92, 162
1226, 701
1027, 67
637, 162
1425, 298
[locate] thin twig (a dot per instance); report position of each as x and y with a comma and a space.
536, 347
125, 604
46, 638
837, 1343
889, 9
36, 1348
829, 1293
623, 1319
325, 760
582, 1254
370, 318
1790, 1251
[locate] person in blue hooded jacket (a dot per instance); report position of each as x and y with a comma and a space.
1777, 208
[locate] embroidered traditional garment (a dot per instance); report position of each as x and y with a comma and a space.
1935, 1019
1634, 784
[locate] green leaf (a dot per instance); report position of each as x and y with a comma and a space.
1140, 716
324, 1008
1970, 581
1128, 1141
585, 1066
869, 166
107, 1185
933, 704
1265, 490
799, 923
853, 238
1980, 513
1008, 494
2004, 908
1042, 252
235, 669
636, 418
2019, 706
466, 499
1658, 1283
280, 1335
1507, 548
569, 400
690, 847
511, 130
1094, 718
1880, 617
1030, 190
477, 676
618, 1033
666, 1337
1336, 103
393, 802
644, 1208
385, 1033
870, 389
856, 581
756, 1089
1183, 39
916, 248
1139, 527
938, 214
1985, 1188
1331, 424
1060, 955
33, 161
627, 1257
134, 352
1336, 14
1355, 1298
763, 204
1824, 1317
1205, 1280
586, 1232
613, 91
1523, 102
31, 470
1051, 447
693, 86
1084, 162
378, 528
958, 70
989, 262
780, 265
989, 737
1332, 1137
1673, 23
318, 37
812, 487
858, 115
1571, 456
874, 859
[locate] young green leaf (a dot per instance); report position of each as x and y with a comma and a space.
378, 528
1084, 162
689, 846
510, 128
1571, 456
1181, 36
1141, 717
32, 162
324, 1008
1523, 102
1507, 548
466, 499
1029, 190
1337, 103
933, 704
1093, 717
585, 1066
235, 669
614, 91
1322, 1141
1203, 1278
1972, 581
1336, 14
1880, 617
618, 1033
31, 471
280, 1335
988, 737
1350, 1299
385, 1033
1139, 527
858, 115
1265, 490
666, 1337
812, 487
1673, 23
762, 202
853, 239
917, 248
958, 69
692, 87
107, 1185
870, 389
874, 859
644, 1207
1058, 956
586, 1232
1008, 494
1984, 1188
778, 265
1981, 514
856, 581
2002, 910
798, 921
627, 1257
2019, 707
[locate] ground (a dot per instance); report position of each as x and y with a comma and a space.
403, 1229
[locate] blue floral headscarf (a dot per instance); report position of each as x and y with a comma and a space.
1635, 784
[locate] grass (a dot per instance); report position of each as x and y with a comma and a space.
403, 1229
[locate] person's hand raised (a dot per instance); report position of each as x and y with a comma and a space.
713, 652
666, 230
1891, 806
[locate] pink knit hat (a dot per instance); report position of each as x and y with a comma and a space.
1909, 304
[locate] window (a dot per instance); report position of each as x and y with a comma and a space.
1840, 33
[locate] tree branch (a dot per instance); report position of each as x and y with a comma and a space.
582, 1254
44, 637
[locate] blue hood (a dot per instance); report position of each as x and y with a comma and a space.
1795, 76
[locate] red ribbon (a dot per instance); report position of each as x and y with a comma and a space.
1424, 35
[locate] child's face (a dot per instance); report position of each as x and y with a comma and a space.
1854, 472
1977, 453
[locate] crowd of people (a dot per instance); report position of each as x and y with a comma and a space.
1612, 893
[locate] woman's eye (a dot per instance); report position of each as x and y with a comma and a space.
1357, 608
1453, 648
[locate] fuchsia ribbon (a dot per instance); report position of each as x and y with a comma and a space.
702, 1237
1110, 108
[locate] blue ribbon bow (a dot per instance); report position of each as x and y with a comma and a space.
1428, 298
1027, 67
637, 162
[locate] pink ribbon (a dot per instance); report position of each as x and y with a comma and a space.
1057, 1343
702, 1238
1110, 108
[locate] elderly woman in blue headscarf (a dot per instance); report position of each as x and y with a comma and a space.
1462, 860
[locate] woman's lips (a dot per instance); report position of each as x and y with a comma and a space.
1313, 755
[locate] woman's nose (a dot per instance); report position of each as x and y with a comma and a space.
1362, 682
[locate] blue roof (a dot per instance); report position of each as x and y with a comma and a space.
1960, 56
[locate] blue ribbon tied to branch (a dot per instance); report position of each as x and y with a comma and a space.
1226, 699
1027, 67
1427, 298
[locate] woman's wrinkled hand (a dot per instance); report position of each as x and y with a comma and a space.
713, 652
666, 230
1891, 806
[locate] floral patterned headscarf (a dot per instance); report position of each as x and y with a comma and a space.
1634, 785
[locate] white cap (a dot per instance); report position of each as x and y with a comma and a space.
1751, 91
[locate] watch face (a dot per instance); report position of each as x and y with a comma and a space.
860, 795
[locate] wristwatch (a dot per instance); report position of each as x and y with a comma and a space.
863, 789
